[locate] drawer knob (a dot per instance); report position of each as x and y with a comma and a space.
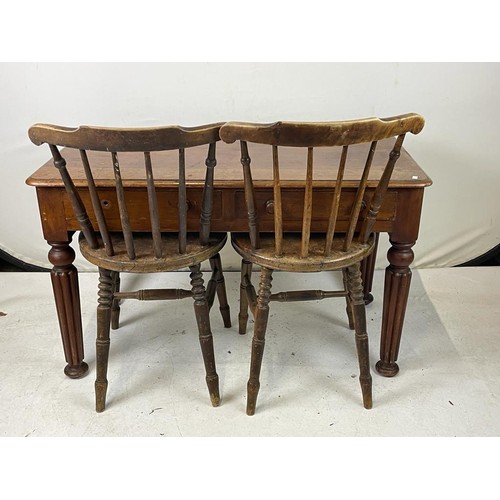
189, 205
270, 207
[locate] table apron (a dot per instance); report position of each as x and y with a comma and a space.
399, 214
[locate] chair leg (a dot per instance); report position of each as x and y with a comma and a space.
201, 310
246, 270
261, 317
216, 265
348, 301
105, 299
355, 288
115, 308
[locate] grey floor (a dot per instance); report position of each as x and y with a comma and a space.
448, 384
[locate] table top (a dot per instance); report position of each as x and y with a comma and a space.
228, 172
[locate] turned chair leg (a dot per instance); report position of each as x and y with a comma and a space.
201, 310
115, 307
261, 317
220, 286
246, 271
355, 288
348, 301
105, 299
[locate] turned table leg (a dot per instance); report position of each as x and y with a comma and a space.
396, 289
67, 297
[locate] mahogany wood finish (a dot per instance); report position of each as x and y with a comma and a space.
399, 214
67, 297
117, 248
341, 246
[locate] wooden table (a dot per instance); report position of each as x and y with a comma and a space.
399, 216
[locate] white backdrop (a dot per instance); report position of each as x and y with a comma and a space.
459, 147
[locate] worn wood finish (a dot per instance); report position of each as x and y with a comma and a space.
153, 207
205, 334
344, 244
246, 273
348, 302
302, 295
103, 341
219, 285
182, 202
115, 308
356, 208
399, 214
208, 196
154, 294
380, 191
277, 205
146, 262
73, 195
249, 195
122, 207
125, 248
96, 203
291, 258
229, 173
124, 139
321, 134
357, 304
258, 341
332, 222
307, 217
367, 271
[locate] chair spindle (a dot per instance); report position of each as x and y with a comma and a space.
208, 195
96, 204
250, 196
278, 208
182, 202
380, 191
153, 206
335, 202
359, 197
122, 207
308, 197
76, 202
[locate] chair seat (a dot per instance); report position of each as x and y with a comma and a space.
145, 261
290, 260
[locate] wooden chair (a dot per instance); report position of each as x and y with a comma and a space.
142, 252
344, 244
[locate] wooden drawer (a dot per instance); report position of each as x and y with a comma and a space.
138, 209
293, 206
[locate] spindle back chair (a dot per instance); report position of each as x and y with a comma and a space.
344, 244
135, 251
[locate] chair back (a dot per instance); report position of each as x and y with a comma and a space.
118, 141
312, 135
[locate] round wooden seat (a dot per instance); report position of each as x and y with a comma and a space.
290, 259
145, 261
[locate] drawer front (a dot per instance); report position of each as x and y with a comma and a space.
138, 209
229, 209
293, 206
